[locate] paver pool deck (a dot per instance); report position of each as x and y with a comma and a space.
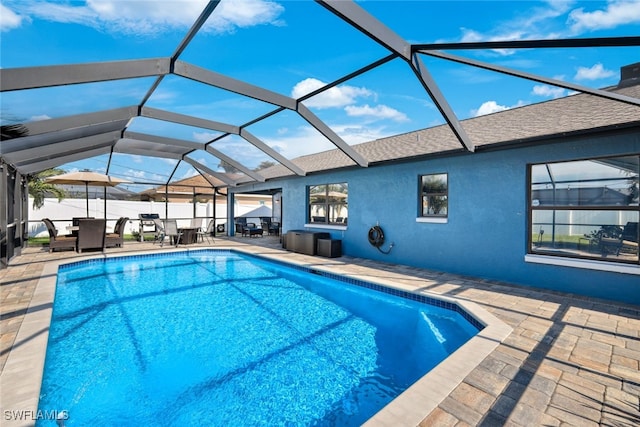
567, 360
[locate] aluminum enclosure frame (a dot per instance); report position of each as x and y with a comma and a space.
54, 142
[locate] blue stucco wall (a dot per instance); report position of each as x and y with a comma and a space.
486, 232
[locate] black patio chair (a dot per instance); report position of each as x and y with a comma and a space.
56, 241
116, 239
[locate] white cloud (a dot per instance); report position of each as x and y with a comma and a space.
171, 162
347, 97
201, 160
305, 140
547, 91
594, 73
556, 19
244, 13
204, 136
134, 173
378, 112
615, 14
337, 96
9, 19
190, 172
357, 134
40, 118
58, 12
155, 17
489, 107
157, 178
533, 23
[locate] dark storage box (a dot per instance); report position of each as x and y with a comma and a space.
329, 248
303, 241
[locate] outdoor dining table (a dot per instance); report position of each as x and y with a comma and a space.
189, 235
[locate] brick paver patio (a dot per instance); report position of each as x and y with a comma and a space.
569, 360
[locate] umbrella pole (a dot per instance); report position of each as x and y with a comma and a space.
86, 193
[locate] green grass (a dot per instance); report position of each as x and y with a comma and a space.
41, 241
38, 241
559, 238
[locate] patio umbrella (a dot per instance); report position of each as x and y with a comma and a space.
88, 178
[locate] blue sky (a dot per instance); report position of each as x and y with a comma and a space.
294, 47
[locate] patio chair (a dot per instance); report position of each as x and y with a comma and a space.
208, 233
629, 238
91, 234
159, 232
75, 221
274, 228
171, 231
196, 223
252, 230
58, 242
630, 232
116, 239
240, 223
613, 238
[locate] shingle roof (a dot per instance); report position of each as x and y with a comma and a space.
571, 114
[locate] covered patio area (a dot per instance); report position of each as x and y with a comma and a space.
568, 361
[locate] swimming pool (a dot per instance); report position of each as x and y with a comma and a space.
220, 338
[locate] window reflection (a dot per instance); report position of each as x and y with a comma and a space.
328, 203
434, 195
586, 208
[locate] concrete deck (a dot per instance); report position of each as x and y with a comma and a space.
568, 361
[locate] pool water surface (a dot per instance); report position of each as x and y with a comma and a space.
222, 338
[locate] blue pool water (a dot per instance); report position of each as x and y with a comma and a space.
218, 338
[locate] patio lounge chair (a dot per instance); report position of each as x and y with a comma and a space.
116, 239
91, 234
58, 242
208, 233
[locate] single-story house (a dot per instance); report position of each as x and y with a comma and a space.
491, 213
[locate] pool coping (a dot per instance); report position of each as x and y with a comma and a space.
22, 376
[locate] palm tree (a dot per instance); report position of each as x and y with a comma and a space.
264, 164
16, 130
38, 188
228, 168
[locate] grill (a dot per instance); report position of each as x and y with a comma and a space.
146, 223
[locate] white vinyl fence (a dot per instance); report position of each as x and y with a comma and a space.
62, 213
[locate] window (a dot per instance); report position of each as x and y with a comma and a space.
434, 199
328, 203
586, 209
